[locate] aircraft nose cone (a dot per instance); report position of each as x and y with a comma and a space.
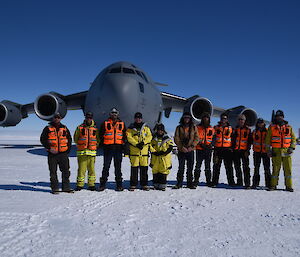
113, 92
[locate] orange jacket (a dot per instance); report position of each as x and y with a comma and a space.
241, 136
259, 141
205, 136
281, 136
113, 134
223, 136
87, 138
58, 139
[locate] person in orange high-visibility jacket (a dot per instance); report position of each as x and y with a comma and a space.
57, 140
112, 137
222, 150
204, 149
280, 144
260, 153
241, 144
87, 140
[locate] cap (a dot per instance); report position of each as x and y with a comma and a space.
159, 126
223, 114
89, 115
57, 115
186, 115
260, 120
279, 113
138, 115
114, 110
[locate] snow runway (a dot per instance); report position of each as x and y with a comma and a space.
201, 222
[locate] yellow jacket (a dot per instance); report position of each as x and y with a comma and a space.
161, 163
137, 135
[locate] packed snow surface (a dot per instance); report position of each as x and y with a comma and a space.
203, 222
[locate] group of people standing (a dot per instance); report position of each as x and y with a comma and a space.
221, 142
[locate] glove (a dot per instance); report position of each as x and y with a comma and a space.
290, 150
53, 151
160, 153
140, 145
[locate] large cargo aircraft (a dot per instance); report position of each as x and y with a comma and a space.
129, 89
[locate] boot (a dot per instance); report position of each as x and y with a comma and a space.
102, 185
91, 188
156, 186
191, 186
78, 188
67, 190
132, 188
55, 191
289, 189
145, 188
177, 186
119, 186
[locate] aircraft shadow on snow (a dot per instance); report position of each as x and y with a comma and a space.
43, 152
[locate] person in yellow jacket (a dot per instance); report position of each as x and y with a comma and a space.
161, 163
280, 144
87, 140
139, 137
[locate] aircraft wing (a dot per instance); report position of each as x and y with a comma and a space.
181, 104
197, 105
45, 106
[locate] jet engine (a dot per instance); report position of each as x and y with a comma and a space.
47, 105
233, 113
10, 114
197, 106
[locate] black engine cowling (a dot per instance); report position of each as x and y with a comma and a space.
47, 105
233, 113
10, 114
197, 106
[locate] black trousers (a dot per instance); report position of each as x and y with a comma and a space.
257, 157
143, 176
159, 178
62, 161
108, 155
189, 159
239, 157
203, 155
224, 154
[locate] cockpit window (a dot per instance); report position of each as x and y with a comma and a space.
127, 70
115, 70
144, 76
139, 73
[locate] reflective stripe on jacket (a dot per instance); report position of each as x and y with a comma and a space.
205, 136
58, 139
87, 138
259, 141
113, 134
223, 136
281, 136
241, 138
162, 163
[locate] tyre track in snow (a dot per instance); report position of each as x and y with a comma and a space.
27, 234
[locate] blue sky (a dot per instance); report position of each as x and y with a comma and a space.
232, 52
